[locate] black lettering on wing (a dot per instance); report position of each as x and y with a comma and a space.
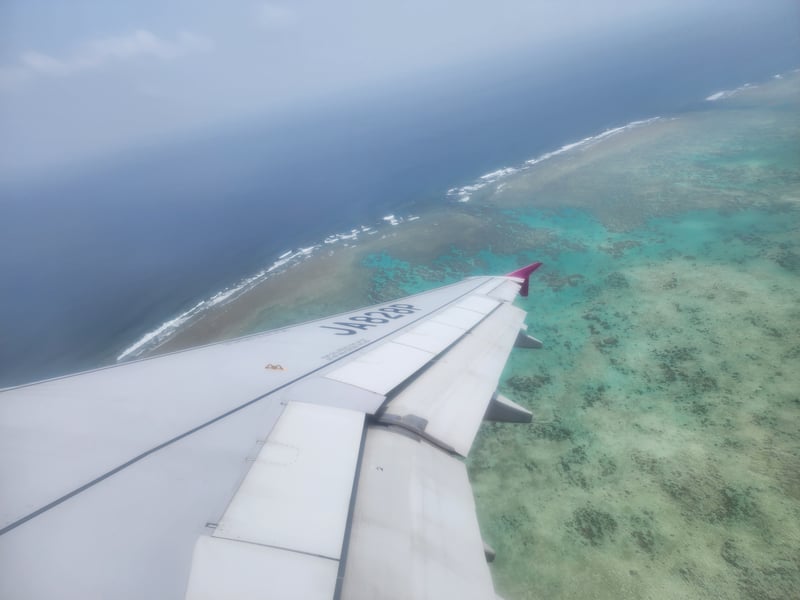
341, 329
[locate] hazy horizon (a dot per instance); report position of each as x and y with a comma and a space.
81, 82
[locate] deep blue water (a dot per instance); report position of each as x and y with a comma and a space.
92, 260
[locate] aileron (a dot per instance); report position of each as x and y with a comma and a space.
452, 395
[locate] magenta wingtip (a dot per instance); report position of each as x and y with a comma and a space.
525, 273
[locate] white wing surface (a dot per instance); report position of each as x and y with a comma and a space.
317, 461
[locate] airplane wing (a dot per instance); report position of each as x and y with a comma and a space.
316, 461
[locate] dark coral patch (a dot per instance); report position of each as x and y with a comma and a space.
595, 526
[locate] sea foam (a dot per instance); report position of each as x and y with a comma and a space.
287, 259
721, 95
465, 193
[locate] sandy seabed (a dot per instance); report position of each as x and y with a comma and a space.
664, 457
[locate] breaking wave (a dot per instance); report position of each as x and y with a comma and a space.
153, 339
722, 94
464, 193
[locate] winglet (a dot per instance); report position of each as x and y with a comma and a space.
525, 274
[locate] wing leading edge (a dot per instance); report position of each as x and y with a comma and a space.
316, 461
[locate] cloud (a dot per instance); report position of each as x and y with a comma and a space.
99, 53
273, 16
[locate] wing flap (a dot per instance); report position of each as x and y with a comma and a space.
414, 531
311, 455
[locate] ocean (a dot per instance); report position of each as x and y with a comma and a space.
96, 261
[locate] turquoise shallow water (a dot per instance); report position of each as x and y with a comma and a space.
663, 462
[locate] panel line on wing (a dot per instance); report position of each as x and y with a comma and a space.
348, 531
276, 547
228, 569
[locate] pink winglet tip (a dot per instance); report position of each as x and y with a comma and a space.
525, 274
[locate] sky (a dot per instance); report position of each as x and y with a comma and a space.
83, 78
